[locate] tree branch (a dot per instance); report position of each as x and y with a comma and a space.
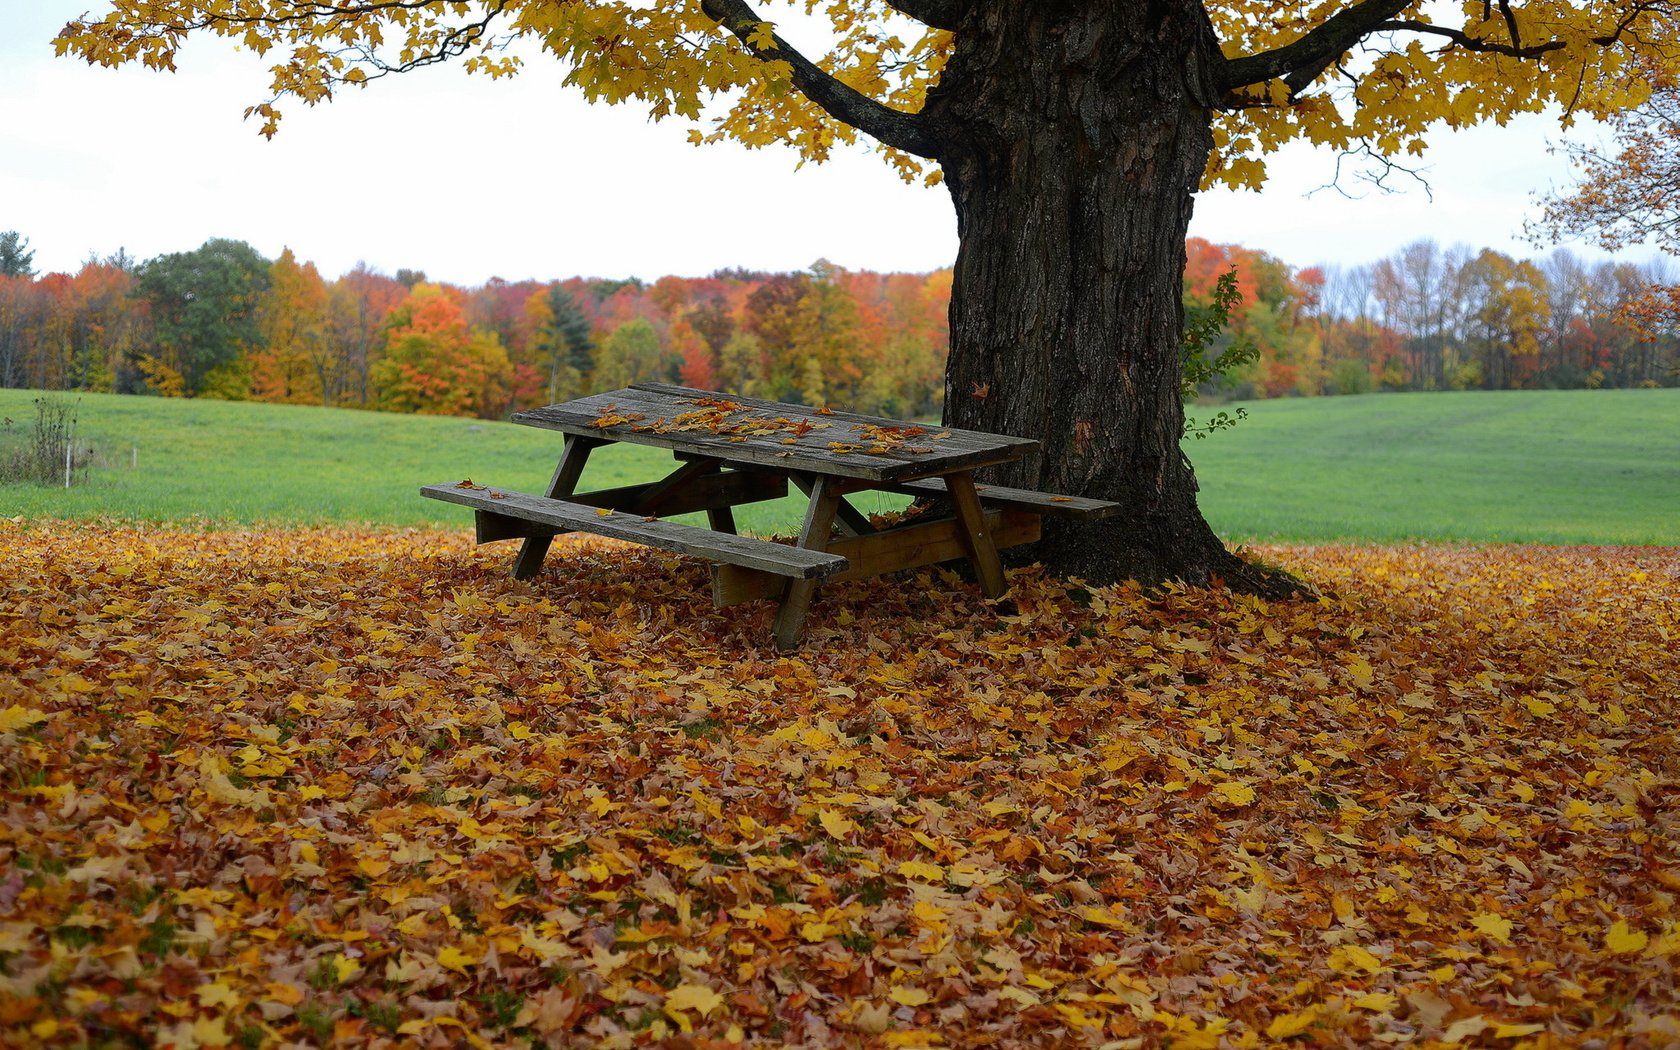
940, 14
893, 127
1301, 62
1469, 43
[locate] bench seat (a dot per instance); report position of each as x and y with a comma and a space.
513, 514
1080, 508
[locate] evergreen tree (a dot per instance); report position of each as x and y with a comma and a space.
567, 335
16, 258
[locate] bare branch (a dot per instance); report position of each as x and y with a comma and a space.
940, 14
893, 127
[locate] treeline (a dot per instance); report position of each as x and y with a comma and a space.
1430, 318
222, 321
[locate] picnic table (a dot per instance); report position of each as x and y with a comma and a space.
732, 450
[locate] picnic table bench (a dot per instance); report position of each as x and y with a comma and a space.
733, 450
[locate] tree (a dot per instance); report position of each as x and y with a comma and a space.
203, 307
632, 354
1633, 196
434, 364
1508, 312
565, 337
360, 301
295, 364
16, 257
1072, 134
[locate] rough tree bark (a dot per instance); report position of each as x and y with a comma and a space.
1073, 136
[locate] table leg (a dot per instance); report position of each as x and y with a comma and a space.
721, 519
981, 550
564, 483
853, 522
796, 600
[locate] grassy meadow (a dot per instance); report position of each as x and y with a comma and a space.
1527, 467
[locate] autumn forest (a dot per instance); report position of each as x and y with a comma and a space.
222, 321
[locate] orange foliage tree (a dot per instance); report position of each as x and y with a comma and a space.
434, 364
294, 362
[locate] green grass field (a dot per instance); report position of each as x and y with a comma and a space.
1575, 466
1536, 467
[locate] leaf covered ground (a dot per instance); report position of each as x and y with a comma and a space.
359, 788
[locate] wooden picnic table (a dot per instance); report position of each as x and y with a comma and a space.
732, 450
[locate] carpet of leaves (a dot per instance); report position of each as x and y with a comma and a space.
360, 788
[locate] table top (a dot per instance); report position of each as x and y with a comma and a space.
793, 438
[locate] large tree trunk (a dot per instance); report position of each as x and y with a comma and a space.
1073, 136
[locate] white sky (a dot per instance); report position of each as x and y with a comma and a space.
466, 179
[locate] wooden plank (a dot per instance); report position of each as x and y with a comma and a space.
713, 493
701, 492
779, 558
565, 479
982, 552
889, 550
963, 449
813, 536
962, 438
930, 543
490, 527
1078, 507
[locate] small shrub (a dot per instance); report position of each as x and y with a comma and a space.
48, 452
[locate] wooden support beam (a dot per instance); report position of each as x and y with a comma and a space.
796, 600
981, 550
564, 483
889, 550
852, 521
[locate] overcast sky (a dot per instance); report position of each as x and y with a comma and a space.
465, 179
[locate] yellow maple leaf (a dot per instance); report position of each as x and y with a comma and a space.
18, 717
1493, 925
1019, 995
1232, 793
1464, 1028
1379, 1002
216, 994
453, 958
1516, 1031
693, 997
1285, 1026
918, 869
836, 823
211, 1031
1101, 916
905, 995
1349, 958
1625, 941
